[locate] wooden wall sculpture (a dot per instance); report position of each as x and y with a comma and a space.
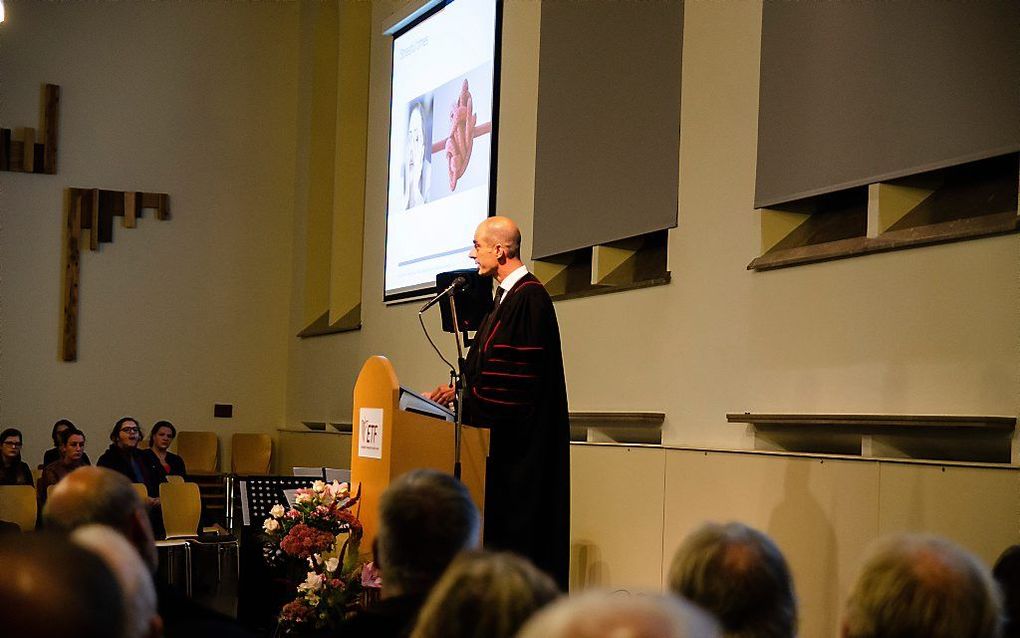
35, 151
94, 209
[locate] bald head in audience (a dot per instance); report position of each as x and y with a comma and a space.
606, 615
740, 576
141, 619
96, 495
917, 585
52, 588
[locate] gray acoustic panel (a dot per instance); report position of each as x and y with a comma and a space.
858, 92
607, 164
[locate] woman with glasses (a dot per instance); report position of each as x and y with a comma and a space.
13, 471
124, 456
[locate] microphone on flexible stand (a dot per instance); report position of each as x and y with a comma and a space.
456, 285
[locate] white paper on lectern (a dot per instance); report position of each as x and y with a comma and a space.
370, 433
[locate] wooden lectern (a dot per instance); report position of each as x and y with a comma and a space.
389, 441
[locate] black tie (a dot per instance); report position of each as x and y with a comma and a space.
499, 296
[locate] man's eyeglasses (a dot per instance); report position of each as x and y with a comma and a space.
12, 443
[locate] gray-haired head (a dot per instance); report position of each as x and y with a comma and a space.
919, 585
96, 495
137, 590
425, 518
740, 576
484, 594
600, 614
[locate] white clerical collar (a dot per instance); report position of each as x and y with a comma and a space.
511, 279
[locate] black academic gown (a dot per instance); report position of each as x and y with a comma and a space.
516, 387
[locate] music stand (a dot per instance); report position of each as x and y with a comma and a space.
260, 493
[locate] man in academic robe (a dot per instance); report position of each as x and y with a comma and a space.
514, 385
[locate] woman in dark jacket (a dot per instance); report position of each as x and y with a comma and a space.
162, 435
53, 454
13, 471
123, 456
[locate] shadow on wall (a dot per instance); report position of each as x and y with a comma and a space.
800, 522
587, 569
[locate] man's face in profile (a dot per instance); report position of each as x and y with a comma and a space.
484, 254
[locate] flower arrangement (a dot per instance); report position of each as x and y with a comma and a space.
321, 535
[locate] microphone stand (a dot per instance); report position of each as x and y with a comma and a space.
459, 387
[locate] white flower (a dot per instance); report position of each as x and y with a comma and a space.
313, 582
270, 525
318, 487
277, 511
326, 497
332, 564
303, 497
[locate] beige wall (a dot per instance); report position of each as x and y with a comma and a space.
632, 506
198, 100
929, 330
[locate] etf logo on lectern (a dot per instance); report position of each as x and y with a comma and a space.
370, 433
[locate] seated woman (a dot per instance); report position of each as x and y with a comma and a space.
13, 471
124, 456
72, 449
162, 435
482, 593
53, 454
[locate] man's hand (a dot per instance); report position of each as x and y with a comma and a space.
462, 135
443, 395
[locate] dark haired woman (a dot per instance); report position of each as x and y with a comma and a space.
123, 456
162, 435
13, 471
53, 454
72, 449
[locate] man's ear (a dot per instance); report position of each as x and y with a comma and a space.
156, 626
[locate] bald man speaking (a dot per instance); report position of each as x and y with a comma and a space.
515, 386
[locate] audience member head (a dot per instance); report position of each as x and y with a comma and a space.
425, 518
598, 614
484, 594
10, 446
740, 576
138, 594
917, 585
126, 433
59, 427
162, 435
51, 587
1007, 573
97, 495
71, 444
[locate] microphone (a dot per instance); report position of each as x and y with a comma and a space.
456, 285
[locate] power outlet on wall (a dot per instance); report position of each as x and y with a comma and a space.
223, 410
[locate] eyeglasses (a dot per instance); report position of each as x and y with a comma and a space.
129, 429
13, 443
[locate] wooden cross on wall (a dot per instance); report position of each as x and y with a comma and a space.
94, 209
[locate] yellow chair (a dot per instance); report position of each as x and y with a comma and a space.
174, 478
250, 454
142, 491
199, 451
181, 504
18, 505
